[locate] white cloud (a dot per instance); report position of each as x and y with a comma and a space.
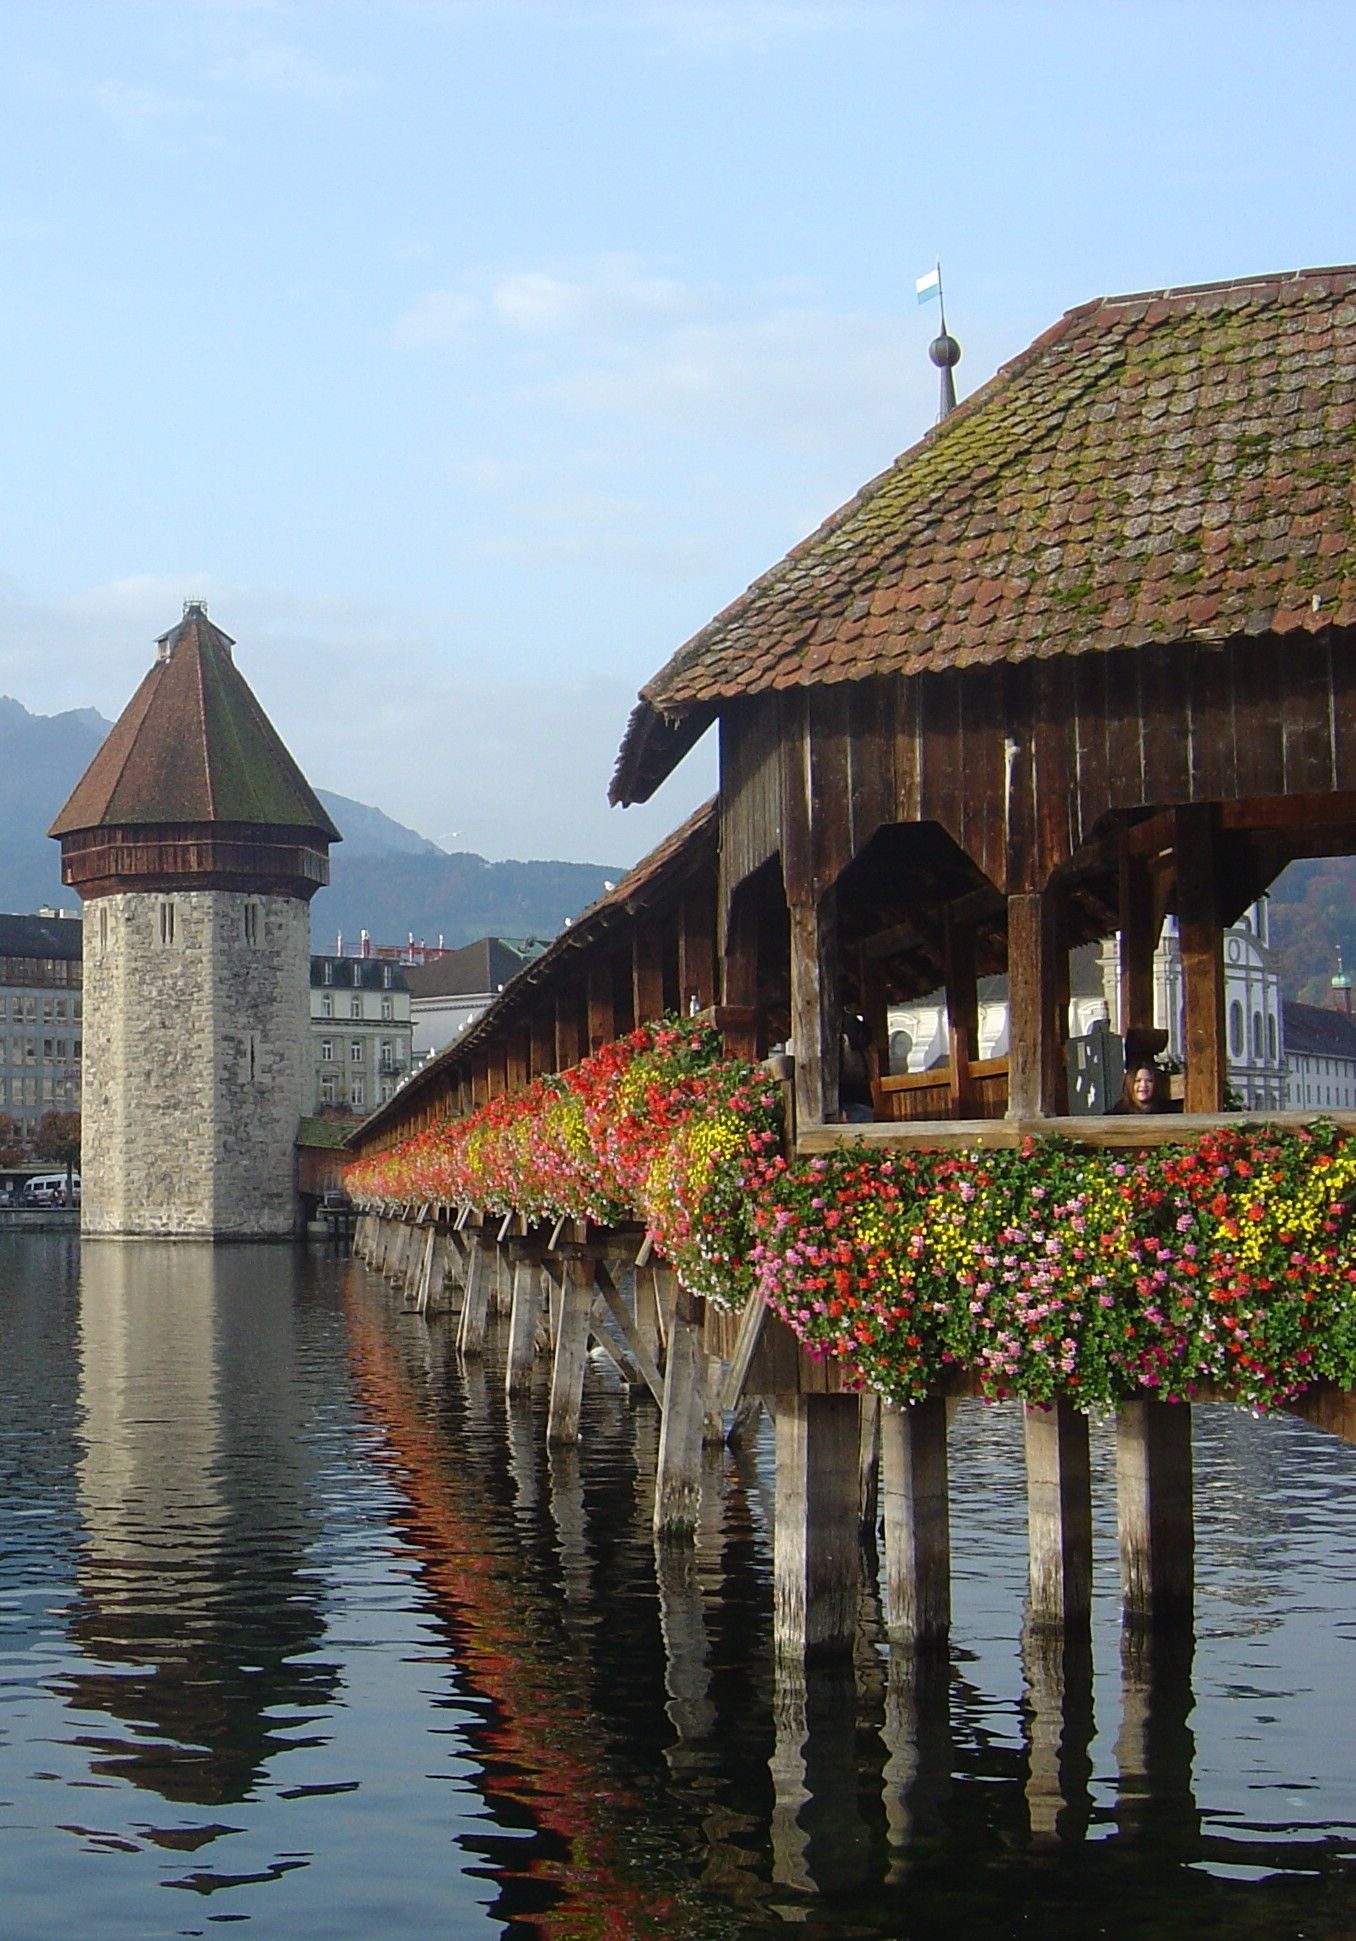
610, 295
614, 341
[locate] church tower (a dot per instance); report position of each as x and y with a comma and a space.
197, 844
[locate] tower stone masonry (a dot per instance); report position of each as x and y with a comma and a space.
197, 844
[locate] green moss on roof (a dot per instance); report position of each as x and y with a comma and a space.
1152, 468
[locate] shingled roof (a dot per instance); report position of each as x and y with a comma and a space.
1156, 468
193, 746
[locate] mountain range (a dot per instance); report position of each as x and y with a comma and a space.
384, 878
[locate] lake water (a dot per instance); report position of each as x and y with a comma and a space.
301, 1633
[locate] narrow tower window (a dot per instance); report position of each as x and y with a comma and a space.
166, 921
253, 922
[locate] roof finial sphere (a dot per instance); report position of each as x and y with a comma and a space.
944, 351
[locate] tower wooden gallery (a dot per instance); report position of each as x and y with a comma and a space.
197, 844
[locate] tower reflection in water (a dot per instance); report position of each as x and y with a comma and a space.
194, 1615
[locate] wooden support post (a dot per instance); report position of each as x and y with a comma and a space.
569, 1036
542, 1041
962, 1012
572, 1346
917, 1525
1059, 1517
435, 1300
1038, 1005
1139, 939
637, 1347
1154, 1512
868, 1466
419, 1283
523, 1317
697, 950
647, 972
816, 1559
471, 1326
517, 1054
816, 1013
678, 1485
602, 1023
739, 979
1201, 937
646, 1304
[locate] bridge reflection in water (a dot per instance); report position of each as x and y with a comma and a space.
300, 1614
899, 1793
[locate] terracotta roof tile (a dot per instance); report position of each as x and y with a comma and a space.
1148, 460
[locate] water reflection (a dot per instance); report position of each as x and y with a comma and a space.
291, 1564
195, 1615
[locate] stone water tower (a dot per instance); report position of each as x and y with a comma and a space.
197, 844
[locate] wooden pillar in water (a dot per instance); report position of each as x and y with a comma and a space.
678, 1486
917, 1524
571, 1352
1154, 1512
523, 1315
816, 1011
471, 1326
1038, 1005
1201, 937
1059, 1516
816, 1565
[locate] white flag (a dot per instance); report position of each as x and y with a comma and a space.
929, 286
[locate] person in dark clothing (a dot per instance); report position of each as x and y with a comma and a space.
855, 1066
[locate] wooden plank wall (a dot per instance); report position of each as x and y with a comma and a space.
1018, 762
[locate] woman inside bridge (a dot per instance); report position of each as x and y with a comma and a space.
1145, 1089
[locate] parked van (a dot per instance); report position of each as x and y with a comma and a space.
49, 1189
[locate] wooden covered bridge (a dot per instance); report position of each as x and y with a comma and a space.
1081, 659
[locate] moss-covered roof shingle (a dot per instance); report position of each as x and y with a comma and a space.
1154, 468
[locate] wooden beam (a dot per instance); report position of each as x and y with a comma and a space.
542, 1040
816, 1557
647, 972
1201, 937
697, 949
816, 1010
1154, 1512
962, 1013
571, 1353
1139, 939
569, 1045
1059, 1516
602, 1020
630, 1334
739, 979
917, 1582
678, 1484
1038, 1004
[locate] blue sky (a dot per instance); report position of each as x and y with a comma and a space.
468, 357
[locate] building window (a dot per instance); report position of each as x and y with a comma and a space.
1236, 1029
327, 1006
387, 1010
1257, 1037
357, 1093
166, 922
329, 1089
329, 972
327, 1051
1271, 1038
252, 1056
103, 929
355, 1007
355, 1051
386, 976
253, 922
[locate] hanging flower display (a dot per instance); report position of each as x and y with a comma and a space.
1223, 1266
